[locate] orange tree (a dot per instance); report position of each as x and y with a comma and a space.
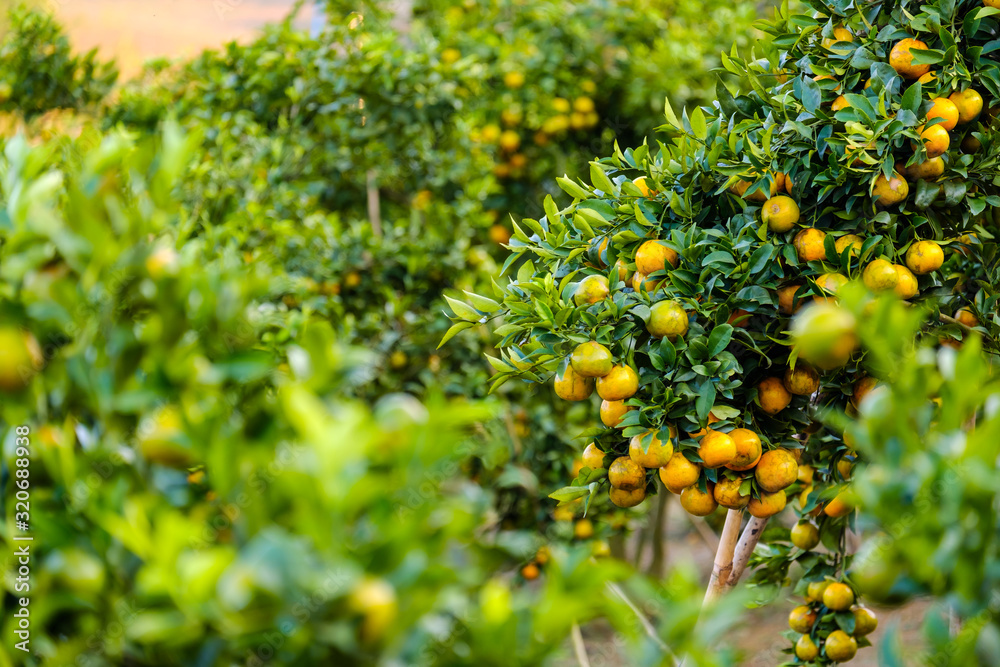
862, 162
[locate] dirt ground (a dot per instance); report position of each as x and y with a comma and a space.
134, 31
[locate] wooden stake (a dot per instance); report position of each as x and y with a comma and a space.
723, 566
748, 542
657, 567
579, 647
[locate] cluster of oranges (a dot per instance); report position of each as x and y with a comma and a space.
836, 640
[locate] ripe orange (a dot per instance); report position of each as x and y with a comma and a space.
623, 271
780, 213
806, 649
853, 241
935, 140
657, 452
571, 386
510, 141
840, 103
593, 457
727, 493
21, 358
839, 506
805, 535
865, 621
667, 319
583, 529
966, 317
809, 245
927, 170
890, 191
786, 299
612, 412
530, 571
626, 474
840, 646
748, 449
776, 470
698, 503
815, 590
901, 58
767, 505
838, 596
831, 282
803, 380
969, 103
620, 383
591, 289
840, 34
624, 498
806, 474
679, 473
641, 184
772, 395
375, 600
862, 388
906, 283
924, 256
591, 360
716, 449
880, 275
653, 256
945, 109
711, 420
641, 282
802, 619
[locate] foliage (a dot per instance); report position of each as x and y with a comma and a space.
40, 71
810, 127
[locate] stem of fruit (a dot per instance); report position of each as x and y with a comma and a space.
723, 567
748, 542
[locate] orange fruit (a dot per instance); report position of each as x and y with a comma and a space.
727, 493
809, 245
853, 241
839, 506
927, 170
805, 535
620, 383
840, 646
748, 449
679, 473
838, 596
623, 271
653, 256
802, 619
780, 213
969, 104
935, 140
593, 457
530, 571
927, 78
776, 470
840, 103
865, 621
890, 191
923, 257
657, 453
711, 420
624, 498
571, 386
716, 449
375, 600
643, 283
880, 276
591, 289
803, 380
966, 317
626, 474
831, 282
840, 34
767, 505
583, 529
612, 412
806, 649
906, 283
772, 395
698, 503
806, 474
901, 58
862, 388
641, 184
667, 319
510, 141
786, 299
21, 358
946, 110
591, 360
815, 590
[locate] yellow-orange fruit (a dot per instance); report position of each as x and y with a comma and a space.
748, 449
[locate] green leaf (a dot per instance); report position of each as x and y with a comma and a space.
482, 303
454, 330
812, 96
706, 399
464, 310
571, 188
600, 179
568, 493
719, 339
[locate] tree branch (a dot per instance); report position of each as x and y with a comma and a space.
579, 648
724, 555
748, 542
